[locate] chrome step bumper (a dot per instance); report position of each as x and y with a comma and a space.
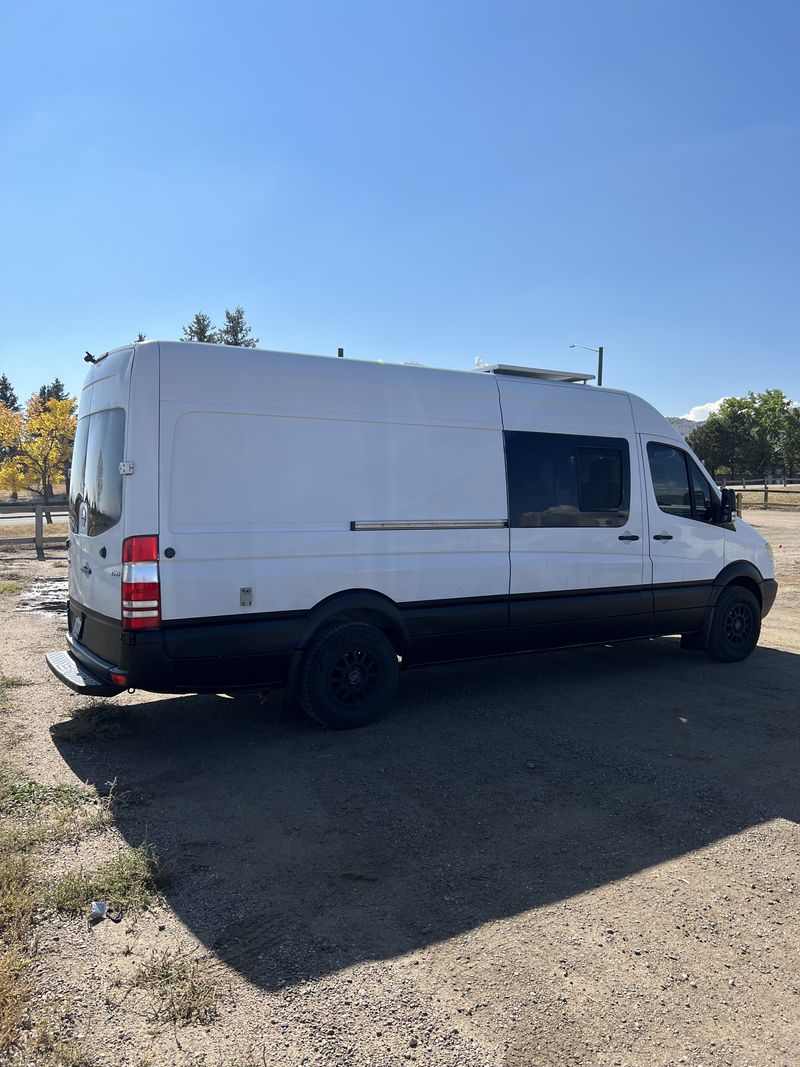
78, 678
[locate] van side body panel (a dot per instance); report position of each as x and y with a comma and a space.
290, 490
265, 472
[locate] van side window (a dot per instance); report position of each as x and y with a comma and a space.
563, 480
77, 470
670, 479
95, 479
680, 486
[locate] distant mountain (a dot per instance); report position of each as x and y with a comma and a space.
683, 426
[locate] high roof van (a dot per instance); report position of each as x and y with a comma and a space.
242, 519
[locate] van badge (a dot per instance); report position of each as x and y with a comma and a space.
126, 467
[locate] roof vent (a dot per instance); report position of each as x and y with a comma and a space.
539, 372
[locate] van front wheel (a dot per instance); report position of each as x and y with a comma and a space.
348, 675
735, 626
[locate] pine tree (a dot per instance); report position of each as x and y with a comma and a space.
7, 394
140, 337
201, 329
54, 391
236, 331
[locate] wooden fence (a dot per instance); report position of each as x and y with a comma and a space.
37, 511
766, 493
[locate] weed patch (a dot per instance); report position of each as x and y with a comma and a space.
182, 991
15, 988
97, 722
34, 813
17, 902
10, 588
21, 798
130, 881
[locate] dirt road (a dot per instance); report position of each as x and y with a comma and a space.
584, 857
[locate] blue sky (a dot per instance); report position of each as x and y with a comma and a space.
428, 181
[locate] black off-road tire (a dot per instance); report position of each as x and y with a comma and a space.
735, 626
348, 676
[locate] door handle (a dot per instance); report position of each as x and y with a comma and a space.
628, 537
86, 568
662, 537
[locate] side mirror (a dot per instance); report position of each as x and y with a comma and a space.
727, 506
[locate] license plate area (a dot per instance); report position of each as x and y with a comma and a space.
76, 628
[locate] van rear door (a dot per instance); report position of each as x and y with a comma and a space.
96, 507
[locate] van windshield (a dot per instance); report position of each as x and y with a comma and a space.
95, 479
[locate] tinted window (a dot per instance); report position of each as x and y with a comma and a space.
96, 480
558, 480
670, 479
599, 478
77, 471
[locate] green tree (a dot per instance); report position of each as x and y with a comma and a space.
236, 331
7, 394
793, 442
754, 434
201, 329
772, 412
709, 442
54, 391
737, 428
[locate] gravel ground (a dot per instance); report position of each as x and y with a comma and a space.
584, 857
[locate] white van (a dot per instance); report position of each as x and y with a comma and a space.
243, 519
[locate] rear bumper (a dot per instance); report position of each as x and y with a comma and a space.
79, 678
213, 657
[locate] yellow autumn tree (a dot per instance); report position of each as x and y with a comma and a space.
36, 446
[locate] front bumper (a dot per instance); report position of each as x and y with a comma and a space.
769, 590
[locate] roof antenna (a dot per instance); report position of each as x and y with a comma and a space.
340, 353
89, 358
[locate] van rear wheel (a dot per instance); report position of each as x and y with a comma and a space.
735, 626
348, 676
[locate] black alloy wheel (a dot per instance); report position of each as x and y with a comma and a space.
735, 626
348, 676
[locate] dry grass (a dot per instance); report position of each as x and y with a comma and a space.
32, 813
778, 497
182, 990
130, 881
17, 904
26, 528
11, 588
98, 721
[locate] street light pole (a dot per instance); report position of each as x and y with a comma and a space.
599, 352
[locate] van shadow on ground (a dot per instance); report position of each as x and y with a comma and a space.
490, 789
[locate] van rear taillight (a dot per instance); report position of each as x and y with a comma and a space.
141, 590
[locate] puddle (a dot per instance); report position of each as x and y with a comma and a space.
47, 596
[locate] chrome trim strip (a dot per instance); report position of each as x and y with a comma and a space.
431, 524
